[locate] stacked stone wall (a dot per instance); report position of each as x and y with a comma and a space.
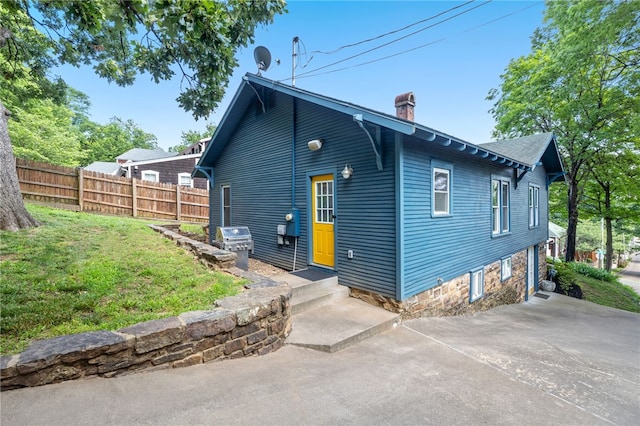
254, 322
452, 297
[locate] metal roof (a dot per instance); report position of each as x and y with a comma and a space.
500, 153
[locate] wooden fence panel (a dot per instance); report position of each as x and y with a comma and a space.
108, 194
47, 183
194, 205
156, 200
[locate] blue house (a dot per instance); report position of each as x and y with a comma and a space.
409, 218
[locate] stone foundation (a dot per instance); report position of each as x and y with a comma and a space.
254, 322
452, 297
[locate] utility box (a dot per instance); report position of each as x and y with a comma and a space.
293, 223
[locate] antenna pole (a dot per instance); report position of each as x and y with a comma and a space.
293, 60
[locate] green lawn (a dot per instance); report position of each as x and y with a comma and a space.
81, 272
609, 293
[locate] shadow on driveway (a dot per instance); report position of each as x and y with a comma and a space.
555, 361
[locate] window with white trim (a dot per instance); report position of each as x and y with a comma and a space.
441, 177
500, 199
225, 205
476, 289
505, 268
534, 206
150, 175
440, 191
184, 179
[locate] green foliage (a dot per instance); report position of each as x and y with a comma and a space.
590, 271
582, 82
123, 39
83, 272
42, 130
106, 142
609, 293
192, 136
566, 277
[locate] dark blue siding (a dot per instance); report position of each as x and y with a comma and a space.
257, 164
448, 247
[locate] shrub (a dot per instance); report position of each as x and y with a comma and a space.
589, 271
565, 277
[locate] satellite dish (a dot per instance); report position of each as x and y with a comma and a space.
262, 57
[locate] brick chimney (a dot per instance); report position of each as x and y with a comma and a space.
404, 106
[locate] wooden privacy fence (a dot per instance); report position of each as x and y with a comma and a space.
101, 193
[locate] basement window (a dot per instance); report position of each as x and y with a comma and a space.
505, 269
476, 289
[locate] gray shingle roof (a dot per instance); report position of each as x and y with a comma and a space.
141, 154
103, 167
527, 149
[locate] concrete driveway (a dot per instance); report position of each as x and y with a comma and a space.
631, 274
548, 361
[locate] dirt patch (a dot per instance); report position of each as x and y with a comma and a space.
256, 266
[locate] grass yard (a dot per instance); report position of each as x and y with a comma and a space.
81, 272
609, 293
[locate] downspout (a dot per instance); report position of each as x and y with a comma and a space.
293, 177
293, 157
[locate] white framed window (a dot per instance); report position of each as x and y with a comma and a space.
534, 206
500, 202
440, 191
441, 178
184, 179
476, 289
505, 268
225, 205
150, 175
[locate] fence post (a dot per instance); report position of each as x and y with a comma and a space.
178, 204
134, 201
81, 189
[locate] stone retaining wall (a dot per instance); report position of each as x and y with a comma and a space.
254, 322
452, 297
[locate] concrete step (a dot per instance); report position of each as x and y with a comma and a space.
339, 324
315, 295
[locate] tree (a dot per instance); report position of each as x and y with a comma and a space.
581, 82
106, 142
13, 215
612, 193
199, 38
192, 136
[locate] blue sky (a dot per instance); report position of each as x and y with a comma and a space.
451, 68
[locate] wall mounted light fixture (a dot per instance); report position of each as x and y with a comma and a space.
347, 171
315, 144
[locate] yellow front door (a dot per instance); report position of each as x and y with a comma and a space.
322, 200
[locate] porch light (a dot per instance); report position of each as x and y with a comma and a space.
315, 144
347, 171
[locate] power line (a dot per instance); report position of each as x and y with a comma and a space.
390, 32
313, 74
397, 39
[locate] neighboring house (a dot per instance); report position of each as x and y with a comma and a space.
106, 168
157, 165
196, 148
176, 170
556, 242
409, 218
142, 154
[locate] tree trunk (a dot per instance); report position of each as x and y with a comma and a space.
572, 226
607, 222
13, 215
